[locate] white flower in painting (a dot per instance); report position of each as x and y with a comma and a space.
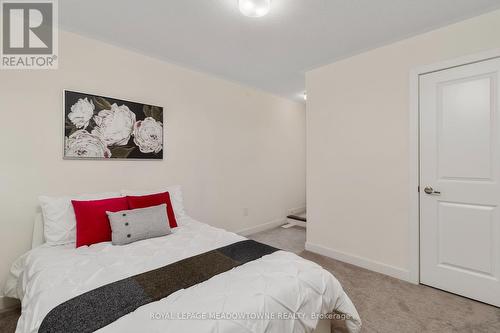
83, 144
148, 135
81, 113
114, 126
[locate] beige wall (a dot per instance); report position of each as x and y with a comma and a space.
231, 147
358, 144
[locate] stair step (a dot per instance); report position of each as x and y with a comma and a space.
297, 218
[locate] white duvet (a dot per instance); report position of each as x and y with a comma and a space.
260, 296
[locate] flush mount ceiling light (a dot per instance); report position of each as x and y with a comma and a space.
254, 8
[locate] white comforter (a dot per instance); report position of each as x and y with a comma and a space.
279, 285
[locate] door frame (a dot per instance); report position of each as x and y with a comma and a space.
414, 141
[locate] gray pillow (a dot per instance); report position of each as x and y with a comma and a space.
128, 226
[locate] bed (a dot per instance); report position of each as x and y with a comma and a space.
295, 291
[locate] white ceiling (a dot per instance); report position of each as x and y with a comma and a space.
270, 53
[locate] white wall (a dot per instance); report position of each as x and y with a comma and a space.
358, 144
231, 147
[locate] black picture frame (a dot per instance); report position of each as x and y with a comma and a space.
107, 128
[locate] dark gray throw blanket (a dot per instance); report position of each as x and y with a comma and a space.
104, 305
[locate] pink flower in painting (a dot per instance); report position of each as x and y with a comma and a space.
114, 126
83, 144
148, 135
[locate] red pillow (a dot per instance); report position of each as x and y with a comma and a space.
144, 201
92, 223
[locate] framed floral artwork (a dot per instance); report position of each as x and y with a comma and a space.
97, 127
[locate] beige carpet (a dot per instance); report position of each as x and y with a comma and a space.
8, 321
386, 305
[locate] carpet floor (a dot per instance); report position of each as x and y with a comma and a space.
385, 304
8, 321
390, 305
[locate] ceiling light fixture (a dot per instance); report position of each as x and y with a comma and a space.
254, 8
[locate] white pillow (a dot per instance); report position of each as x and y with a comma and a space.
175, 196
59, 221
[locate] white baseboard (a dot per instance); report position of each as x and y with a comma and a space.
261, 227
7, 303
369, 264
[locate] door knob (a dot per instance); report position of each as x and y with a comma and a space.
430, 190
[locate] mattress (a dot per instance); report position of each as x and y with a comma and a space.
280, 292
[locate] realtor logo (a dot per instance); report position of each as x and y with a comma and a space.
29, 34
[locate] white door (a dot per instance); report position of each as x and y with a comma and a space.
460, 180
